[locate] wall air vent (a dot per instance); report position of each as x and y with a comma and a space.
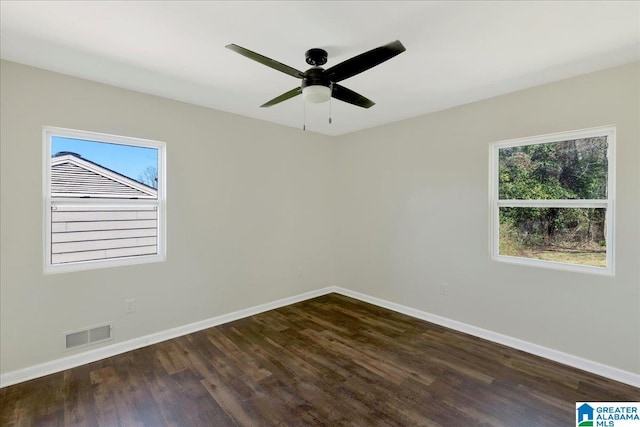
88, 336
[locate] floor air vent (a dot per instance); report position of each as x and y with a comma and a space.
87, 336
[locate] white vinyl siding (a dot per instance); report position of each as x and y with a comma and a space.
96, 217
89, 233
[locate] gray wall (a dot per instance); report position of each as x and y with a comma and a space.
414, 212
247, 208
390, 212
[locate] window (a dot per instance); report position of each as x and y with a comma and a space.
103, 199
552, 200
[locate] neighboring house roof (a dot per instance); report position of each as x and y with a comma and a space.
73, 176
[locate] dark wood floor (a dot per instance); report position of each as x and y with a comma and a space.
329, 361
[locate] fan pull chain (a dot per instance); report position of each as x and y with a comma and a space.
329, 110
304, 115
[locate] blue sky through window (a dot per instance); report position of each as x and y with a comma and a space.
128, 160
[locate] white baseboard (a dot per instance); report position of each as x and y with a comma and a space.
538, 350
75, 360
69, 362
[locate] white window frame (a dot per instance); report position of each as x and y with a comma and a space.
608, 204
48, 203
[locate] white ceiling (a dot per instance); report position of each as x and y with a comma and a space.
457, 52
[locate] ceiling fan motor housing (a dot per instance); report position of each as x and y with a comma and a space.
315, 86
315, 77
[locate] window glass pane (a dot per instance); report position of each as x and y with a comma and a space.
105, 204
97, 232
568, 235
573, 169
91, 169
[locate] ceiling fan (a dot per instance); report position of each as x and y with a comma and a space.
318, 84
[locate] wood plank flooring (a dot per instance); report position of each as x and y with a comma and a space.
329, 361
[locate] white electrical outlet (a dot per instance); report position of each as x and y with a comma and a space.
129, 306
444, 288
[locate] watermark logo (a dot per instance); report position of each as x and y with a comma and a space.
608, 414
585, 415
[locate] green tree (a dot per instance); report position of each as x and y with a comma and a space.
575, 169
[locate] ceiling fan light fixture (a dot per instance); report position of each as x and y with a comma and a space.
316, 94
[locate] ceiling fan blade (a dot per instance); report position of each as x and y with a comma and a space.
364, 61
266, 61
347, 95
283, 97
